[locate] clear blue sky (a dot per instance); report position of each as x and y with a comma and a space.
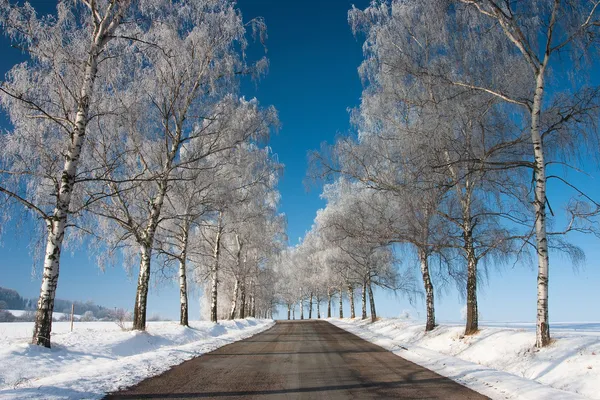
312, 81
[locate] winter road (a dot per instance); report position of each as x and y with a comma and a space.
299, 360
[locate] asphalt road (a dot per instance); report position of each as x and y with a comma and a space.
299, 360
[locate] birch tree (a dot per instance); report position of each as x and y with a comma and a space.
50, 100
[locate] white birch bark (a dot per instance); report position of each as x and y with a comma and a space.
234, 299
183, 293
542, 324
372, 302
243, 300
318, 308
364, 299
215, 272
141, 299
429, 301
183, 296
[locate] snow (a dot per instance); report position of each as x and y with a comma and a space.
99, 357
500, 361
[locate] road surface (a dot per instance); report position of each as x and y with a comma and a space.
299, 360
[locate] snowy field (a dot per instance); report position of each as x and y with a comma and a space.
99, 357
500, 361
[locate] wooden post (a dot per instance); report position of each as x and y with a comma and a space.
72, 315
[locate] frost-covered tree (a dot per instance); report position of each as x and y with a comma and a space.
50, 99
498, 57
186, 97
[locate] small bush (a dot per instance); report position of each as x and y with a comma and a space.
87, 316
121, 318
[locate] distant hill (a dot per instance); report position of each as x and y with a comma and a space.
10, 299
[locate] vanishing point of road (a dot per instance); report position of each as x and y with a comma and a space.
299, 360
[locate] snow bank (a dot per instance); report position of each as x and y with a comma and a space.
500, 361
99, 357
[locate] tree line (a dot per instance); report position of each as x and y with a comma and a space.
128, 134
10, 299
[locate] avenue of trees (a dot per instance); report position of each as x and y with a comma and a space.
470, 109
128, 134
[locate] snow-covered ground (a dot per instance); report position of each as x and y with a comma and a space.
99, 357
500, 361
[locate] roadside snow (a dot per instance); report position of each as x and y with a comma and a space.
99, 357
500, 361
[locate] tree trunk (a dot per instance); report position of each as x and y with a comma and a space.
341, 302
215, 272
351, 299
301, 310
234, 299
328, 303
253, 305
141, 297
310, 306
243, 300
542, 337
372, 302
294, 313
289, 310
318, 308
364, 299
139, 309
423, 257
472, 325
183, 296
45, 304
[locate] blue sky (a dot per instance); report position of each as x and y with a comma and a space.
312, 81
